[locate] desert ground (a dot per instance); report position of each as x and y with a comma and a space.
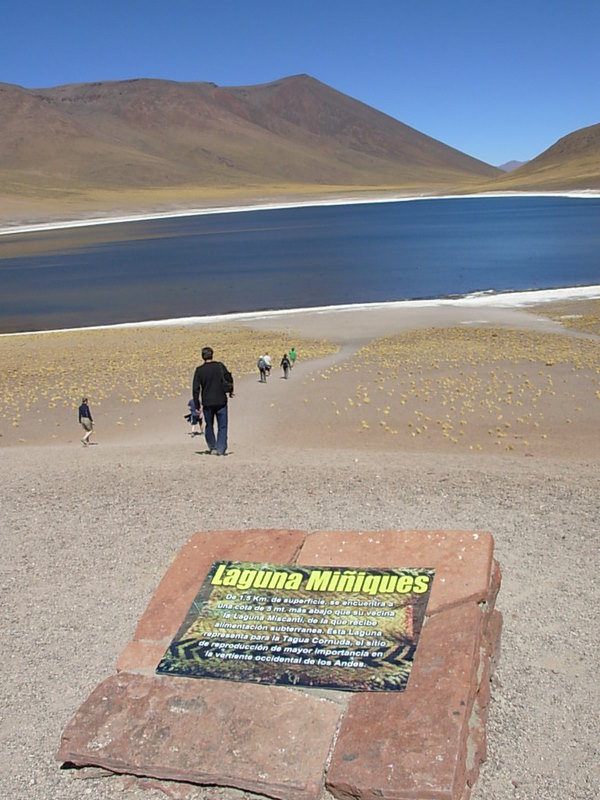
455, 417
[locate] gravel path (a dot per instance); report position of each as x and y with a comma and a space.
87, 534
87, 547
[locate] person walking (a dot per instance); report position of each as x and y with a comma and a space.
214, 383
262, 369
194, 418
286, 365
268, 364
86, 421
292, 357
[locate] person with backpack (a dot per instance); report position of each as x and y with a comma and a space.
262, 369
214, 382
267, 359
286, 365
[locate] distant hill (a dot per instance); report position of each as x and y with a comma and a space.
511, 166
153, 134
571, 163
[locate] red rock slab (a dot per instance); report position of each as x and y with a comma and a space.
268, 740
424, 743
414, 745
142, 657
477, 741
181, 582
462, 559
491, 655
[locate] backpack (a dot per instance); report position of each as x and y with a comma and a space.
262, 364
227, 381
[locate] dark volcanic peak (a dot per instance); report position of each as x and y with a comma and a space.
149, 132
312, 107
294, 132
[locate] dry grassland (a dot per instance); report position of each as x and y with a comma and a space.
583, 316
448, 390
38, 204
47, 374
474, 390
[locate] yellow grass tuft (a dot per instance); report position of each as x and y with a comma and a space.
126, 364
479, 386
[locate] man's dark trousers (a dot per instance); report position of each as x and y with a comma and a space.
220, 414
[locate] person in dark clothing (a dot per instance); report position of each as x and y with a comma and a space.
85, 420
286, 365
213, 383
194, 418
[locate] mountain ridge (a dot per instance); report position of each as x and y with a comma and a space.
148, 141
573, 162
295, 129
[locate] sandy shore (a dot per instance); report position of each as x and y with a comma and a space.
448, 417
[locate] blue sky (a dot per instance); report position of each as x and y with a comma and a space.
497, 79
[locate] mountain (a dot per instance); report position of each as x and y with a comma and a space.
148, 144
82, 140
511, 166
573, 162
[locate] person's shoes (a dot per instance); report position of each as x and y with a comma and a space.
84, 443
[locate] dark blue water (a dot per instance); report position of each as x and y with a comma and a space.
296, 257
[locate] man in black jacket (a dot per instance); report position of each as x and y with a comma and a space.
215, 382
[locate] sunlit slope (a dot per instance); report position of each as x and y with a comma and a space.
571, 163
150, 133
148, 143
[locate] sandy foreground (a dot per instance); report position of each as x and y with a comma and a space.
455, 418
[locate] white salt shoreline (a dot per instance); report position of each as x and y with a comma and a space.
328, 201
506, 300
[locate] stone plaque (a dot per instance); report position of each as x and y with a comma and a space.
329, 627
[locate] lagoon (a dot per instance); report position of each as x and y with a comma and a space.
285, 258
